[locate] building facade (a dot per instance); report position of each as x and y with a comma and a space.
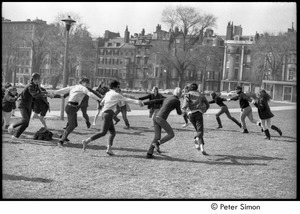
17, 55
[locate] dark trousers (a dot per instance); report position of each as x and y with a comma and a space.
185, 117
197, 121
107, 126
123, 111
23, 124
72, 121
84, 113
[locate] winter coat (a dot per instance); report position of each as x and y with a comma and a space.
264, 111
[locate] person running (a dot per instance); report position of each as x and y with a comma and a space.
76, 95
8, 101
154, 108
40, 108
246, 110
224, 109
196, 105
109, 103
102, 90
264, 112
25, 103
160, 120
185, 116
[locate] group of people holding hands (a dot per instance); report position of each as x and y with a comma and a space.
111, 101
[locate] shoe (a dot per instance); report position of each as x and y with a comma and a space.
110, 152
65, 139
64, 127
84, 144
245, 131
156, 145
185, 125
88, 125
219, 127
149, 155
118, 120
10, 129
126, 127
60, 144
14, 137
197, 145
94, 124
204, 153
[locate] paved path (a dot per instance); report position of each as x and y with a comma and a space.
56, 114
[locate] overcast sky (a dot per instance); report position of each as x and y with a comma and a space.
115, 16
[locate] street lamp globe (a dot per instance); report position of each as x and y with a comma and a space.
69, 21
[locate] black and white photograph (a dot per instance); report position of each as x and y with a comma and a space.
150, 101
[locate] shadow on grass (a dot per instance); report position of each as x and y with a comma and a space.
23, 178
234, 158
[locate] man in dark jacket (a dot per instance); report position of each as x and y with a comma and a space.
160, 120
25, 104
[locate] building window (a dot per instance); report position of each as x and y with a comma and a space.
291, 74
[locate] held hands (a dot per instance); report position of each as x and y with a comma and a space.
141, 103
253, 101
228, 99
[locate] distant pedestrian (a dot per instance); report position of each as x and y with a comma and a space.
77, 93
160, 120
265, 113
109, 103
153, 108
246, 110
224, 109
196, 105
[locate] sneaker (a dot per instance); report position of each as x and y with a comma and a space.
110, 152
219, 127
65, 139
64, 127
156, 145
245, 131
60, 144
197, 145
149, 155
84, 144
118, 120
204, 153
88, 125
94, 124
14, 137
185, 125
10, 129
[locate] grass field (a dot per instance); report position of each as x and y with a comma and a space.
239, 166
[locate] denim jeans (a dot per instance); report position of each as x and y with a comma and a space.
197, 121
246, 112
160, 123
107, 126
72, 121
23, 124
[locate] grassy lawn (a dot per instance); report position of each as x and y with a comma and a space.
239, 166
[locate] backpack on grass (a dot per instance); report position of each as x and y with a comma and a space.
43, 134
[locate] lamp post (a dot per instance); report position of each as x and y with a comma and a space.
68, 22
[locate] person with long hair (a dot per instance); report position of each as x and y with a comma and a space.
224, 109
264, 112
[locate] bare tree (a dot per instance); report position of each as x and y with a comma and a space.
187, 26
270, 52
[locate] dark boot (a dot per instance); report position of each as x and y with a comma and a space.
276, 129
236, 122
267, 133
219, 122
